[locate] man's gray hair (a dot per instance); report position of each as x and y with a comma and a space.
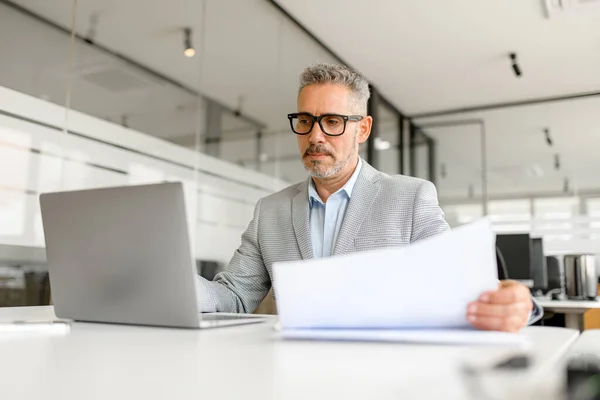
340, 75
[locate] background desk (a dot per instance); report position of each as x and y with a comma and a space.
587, 343
98, 361
574, 310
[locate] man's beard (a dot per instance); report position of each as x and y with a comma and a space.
334, 169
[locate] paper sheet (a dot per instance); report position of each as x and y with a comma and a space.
426, 285
432, 336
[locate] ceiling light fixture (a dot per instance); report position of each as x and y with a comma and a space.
556, 162
187, 43
515, 65
537, 171
93, 29
548, 138
566, 186
443, 171
381, 144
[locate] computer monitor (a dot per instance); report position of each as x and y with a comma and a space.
516, 250
555, 274
538, 265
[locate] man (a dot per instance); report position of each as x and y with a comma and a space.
344, 206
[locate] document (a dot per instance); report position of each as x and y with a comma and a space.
425, 286
429, 336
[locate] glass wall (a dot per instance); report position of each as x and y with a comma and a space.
108, 94
388, 142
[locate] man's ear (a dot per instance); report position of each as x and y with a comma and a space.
364, 129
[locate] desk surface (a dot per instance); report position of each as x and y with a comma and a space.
98, 361
587, 343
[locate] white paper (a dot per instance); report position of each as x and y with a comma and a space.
426, 285
433, 336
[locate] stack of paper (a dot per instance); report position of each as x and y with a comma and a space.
417, 293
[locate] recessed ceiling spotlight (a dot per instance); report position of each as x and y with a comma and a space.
187, 43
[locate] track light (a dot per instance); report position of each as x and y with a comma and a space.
443, 171
187, 43
556, 162
566, 186
381, 144
515, 65
93, 29
548, 138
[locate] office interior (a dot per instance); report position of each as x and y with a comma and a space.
495, 102
85, 108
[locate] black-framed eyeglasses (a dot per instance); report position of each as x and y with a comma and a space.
331, 124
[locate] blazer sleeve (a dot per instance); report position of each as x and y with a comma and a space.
428, 217
245, 281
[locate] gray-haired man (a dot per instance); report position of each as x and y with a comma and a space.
344, 206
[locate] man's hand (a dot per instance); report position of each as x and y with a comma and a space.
505, 309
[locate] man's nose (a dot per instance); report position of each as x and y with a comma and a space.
316, 135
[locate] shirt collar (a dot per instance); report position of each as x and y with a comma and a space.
313, 195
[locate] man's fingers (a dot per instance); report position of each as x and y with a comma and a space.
506, 295
505, 309
506, 324
498, 310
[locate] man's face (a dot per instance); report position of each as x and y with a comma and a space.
326, 156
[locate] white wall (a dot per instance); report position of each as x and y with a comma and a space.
37, 156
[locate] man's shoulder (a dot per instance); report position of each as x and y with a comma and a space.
283, 196
395, 182
401, 183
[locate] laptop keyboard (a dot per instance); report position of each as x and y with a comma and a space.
217, 317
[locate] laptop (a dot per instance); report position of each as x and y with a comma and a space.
123, 255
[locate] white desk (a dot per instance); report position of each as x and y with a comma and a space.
573, 309
587, 343
97, 361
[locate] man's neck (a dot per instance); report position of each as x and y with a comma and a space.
327, 186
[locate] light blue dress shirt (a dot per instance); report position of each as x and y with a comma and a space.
326, 218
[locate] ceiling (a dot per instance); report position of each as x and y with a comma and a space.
437, 55
249, 59
429, 56
424, 57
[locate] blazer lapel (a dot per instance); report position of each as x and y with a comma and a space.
364, 193
300, 221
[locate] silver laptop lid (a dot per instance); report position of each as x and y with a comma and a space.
121, 255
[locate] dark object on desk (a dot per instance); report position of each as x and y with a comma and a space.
520, 361
539, 270
474, 374
559, 295
516, 252
581, 277
556, 273
524, 259
583, 377
501, 265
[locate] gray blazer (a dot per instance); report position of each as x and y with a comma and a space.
384, 211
